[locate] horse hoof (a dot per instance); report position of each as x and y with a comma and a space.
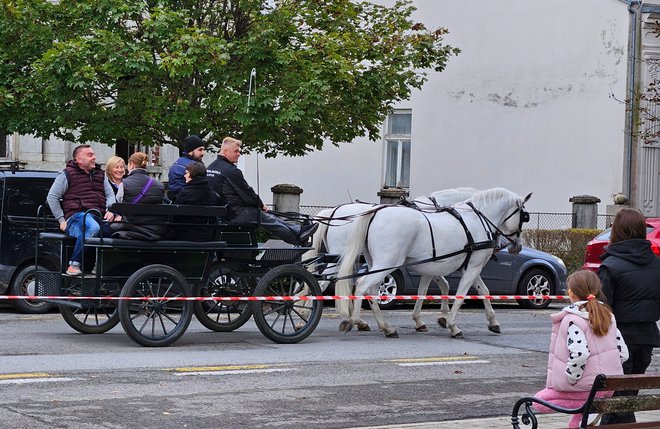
442, 322
392, 335
458, 335
345, 326
422, 328
363, 327
495, 328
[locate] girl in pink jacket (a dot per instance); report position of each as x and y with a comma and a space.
585, 342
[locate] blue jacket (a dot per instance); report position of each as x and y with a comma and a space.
176, 181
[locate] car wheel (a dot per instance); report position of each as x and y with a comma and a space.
24, 284
535, 282
390, 286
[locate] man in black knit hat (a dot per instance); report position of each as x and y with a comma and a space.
193, 151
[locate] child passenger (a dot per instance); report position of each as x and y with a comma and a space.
197, 192
585, 342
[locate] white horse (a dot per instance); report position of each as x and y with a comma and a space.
436, 243
332, 236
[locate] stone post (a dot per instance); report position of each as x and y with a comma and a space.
391, 195
585, 211
286, 198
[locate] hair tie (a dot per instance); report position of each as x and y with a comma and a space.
590, 297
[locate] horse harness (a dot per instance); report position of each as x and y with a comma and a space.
468, 249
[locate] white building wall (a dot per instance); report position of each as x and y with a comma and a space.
532, 103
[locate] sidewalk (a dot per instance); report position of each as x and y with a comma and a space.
546, 421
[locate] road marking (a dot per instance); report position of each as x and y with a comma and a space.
228, 369
34, 377
24, 375
235, 371
451, 360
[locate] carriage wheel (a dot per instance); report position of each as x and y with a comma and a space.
287, 322
97, 318
223, 316
155, 323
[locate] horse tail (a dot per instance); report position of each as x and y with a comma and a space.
320, 236
354, 247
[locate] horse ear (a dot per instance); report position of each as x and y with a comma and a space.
527, 197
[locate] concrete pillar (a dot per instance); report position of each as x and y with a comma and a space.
286, 197
391, 195
585, 211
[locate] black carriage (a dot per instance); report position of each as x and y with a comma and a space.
154, 287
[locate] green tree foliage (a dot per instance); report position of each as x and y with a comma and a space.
153, 71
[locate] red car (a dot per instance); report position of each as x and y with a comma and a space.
596, 247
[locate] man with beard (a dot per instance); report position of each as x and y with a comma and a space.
193, 151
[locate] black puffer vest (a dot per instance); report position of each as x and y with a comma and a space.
86, 190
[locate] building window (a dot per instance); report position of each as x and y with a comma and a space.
397, 149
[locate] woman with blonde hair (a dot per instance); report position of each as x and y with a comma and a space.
115, 170
585, 342
140, 188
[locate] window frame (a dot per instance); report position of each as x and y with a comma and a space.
400, 140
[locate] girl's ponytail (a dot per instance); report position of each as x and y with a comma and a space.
586, 286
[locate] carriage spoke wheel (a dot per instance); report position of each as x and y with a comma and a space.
155, 323
92, 317
287, 322
223, 316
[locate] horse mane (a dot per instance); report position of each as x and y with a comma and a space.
491, 197
447, 197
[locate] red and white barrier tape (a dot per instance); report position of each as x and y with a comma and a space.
287, 298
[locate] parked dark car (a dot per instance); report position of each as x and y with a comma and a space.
531, 272
21, 193
596, 247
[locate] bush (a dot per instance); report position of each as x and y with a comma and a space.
568, 244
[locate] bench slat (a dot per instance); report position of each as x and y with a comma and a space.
625, 404
168, 210
631, 382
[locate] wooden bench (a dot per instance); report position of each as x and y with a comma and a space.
616, 404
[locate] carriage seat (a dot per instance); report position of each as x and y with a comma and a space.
55, 236
122, 243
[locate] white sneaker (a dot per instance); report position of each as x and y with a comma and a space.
73, 270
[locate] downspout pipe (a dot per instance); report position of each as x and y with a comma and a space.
634, 8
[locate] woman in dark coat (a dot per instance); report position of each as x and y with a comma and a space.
140, 188
196, 192
630, 274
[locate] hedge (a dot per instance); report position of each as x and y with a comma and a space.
568, 244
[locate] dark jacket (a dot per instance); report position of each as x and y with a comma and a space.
86, 190
175, 178
630, 274
228, 181
139, 189
197, 193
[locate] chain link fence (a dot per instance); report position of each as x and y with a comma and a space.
537, 220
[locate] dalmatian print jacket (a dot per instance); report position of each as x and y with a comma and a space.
578, 349
577, 355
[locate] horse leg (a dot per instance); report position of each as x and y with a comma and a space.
468, 278
363, 287
424, 282
482, 289
444, 306
382, 325
356, 306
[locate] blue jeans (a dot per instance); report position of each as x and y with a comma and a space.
74, 228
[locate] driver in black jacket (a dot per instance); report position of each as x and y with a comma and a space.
245, 205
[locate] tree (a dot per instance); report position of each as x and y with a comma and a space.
153, 71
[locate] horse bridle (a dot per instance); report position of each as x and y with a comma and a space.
524, 217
